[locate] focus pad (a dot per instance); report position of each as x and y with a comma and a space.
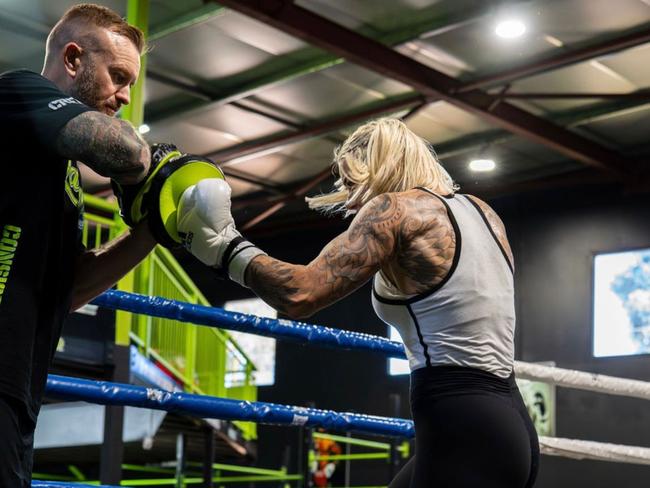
167, 187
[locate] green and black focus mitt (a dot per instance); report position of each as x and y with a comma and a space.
156, 197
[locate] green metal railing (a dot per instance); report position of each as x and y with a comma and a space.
384, 447
222, 474
198, 357
167, 473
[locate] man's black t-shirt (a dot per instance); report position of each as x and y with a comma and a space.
41, 216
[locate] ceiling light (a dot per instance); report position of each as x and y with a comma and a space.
482, 165
510, 29
143, 129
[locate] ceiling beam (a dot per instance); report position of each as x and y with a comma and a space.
39, 31
206, 95
438, 22
259, 146
609, 45
429, 28
638, 95
301, 189
599, 48
472, 142
445, 150
312, 28
570, 118
200, 15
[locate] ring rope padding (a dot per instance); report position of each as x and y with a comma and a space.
106, 393
304, 333
291, 330
202, 406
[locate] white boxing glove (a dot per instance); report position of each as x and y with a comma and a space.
208, 230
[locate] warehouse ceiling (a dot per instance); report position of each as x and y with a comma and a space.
269, 88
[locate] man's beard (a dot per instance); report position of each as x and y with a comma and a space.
85, 89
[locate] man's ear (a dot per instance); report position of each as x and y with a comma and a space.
72, 58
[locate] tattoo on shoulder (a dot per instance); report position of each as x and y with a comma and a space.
427, 243
110, 146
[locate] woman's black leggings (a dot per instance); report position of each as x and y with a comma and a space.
471, 430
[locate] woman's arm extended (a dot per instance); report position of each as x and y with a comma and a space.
343, 265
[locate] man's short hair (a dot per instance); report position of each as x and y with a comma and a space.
98, 16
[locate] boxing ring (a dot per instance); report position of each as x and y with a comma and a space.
107, 393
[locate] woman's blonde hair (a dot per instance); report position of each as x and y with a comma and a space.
382, 156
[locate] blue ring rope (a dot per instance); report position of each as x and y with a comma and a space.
105, 393
278, 328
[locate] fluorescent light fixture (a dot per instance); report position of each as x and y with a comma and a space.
482, 165
510, 29
554, 41
143, 129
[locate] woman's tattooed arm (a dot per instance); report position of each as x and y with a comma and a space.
344, 265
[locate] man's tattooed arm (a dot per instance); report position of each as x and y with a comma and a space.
343, 265
110, 146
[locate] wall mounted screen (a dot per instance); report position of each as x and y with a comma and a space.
621, 303
261, 350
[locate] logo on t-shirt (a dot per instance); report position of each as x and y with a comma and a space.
62, 102
8, 245
73, 185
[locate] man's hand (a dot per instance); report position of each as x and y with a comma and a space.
208, 229
132, 198
156, 198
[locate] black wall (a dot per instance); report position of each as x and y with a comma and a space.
554, 236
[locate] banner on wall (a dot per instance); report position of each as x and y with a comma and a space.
540, 402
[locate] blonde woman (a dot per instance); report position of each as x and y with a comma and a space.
442, 273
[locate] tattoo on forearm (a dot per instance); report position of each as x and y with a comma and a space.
272, 280
345, 264
111, 147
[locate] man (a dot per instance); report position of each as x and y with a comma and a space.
48, 122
